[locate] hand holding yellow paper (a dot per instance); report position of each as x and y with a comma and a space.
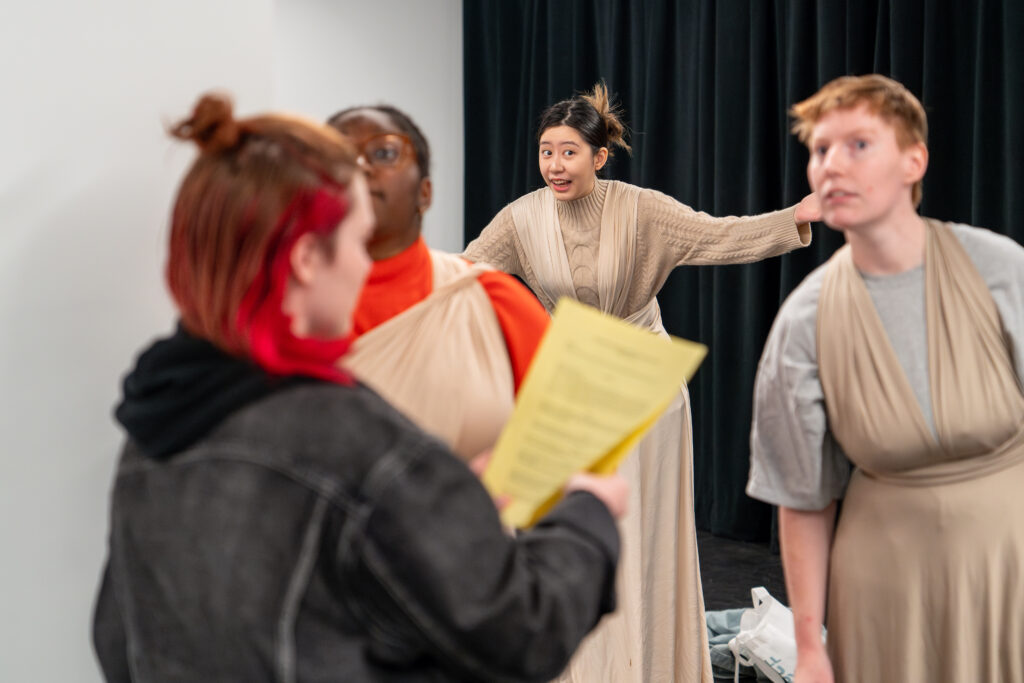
596, 385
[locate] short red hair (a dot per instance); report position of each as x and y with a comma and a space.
884, 97
258, 185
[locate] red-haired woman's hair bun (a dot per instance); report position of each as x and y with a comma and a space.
212, 126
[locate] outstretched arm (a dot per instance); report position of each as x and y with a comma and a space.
672, 234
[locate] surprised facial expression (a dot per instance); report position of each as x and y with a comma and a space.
568, 163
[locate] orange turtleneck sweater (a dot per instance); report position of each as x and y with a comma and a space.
397, 283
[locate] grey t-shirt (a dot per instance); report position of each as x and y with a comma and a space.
794, 460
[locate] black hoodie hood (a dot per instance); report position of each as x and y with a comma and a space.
184, 386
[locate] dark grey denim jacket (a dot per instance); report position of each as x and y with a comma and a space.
316, 535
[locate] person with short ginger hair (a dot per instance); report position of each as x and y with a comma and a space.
612, 245
893, 380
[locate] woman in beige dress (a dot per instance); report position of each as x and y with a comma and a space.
892, 379
612, 245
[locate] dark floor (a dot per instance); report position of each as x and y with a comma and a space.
729, 569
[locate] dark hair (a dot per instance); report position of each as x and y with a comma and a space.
592, 116
404, 123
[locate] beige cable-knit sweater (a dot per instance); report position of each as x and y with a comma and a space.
669, 234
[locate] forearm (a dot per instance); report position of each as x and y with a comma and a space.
491, 606
806, 539
683, 236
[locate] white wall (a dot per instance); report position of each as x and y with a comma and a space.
329, 55
86, 181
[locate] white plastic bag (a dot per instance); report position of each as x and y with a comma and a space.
766, 640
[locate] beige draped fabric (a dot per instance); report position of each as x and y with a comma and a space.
927, 566
443, 362
657, 633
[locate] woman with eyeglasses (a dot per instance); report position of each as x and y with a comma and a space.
272, 518
445, 341
612, 245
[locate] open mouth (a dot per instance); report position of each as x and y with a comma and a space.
838, 195
560, 184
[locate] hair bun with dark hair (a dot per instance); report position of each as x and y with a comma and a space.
599, 99
211, 126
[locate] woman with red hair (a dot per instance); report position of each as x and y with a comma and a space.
272, 518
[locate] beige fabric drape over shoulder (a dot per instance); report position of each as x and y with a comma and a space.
927, 566
657, 633
443, 362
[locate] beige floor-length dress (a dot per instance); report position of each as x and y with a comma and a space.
632, 238
927, 566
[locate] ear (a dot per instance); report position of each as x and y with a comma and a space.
915, 160
425, 195
600, 159
305, 259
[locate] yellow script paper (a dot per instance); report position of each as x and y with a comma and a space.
596, 385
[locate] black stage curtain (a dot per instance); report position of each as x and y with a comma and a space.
705, 85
